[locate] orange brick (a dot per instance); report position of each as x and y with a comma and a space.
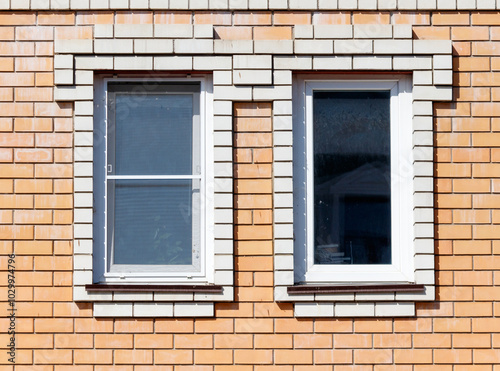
253, 170
414, 18
485, 170
255, 186
53, 294
10, 232
253, 202
219, 356
53, 170
265, 279
486, 48
34, 95
193, 341
233, 33
53, 110
362, 356
254, 248
33, 186
6, 216
243, 216
6, 64
433, 309
256, 109
453, 231
473, 309
233, 310
254, 294
134, 356
329, 325
471, 247
86, 356
432, 33
72, 341
470, 33
44, 79
215, 18
146, 341
293, 325
461, 49
137, 17
244, 356
17, 48
16, 109
172, 17
34, 341
272, 33
7, 18
54, 140
51, 325
6, 94
286, 357
33, 247
444, 201
471, 216
333, 356
63, 216
292, 18
53, 356
352, 341
252, 263
432, 340
452, 356
173, 326
133, 325
44, 49
313, 341
6, 33
114, 341
93, 17
458, 18
173, 357
412, 356
471, 64
489, 18
54, 19
33, 217
471, 340
54, 201
92, 325
392, 341
254, 325
63, 155
230, 341
486, 293
376, 18
252, 18
331, 18
218, 325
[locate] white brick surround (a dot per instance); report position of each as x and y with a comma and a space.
250, 5
246, 70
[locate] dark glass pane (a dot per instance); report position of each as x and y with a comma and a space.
154, 134
352, 204
153, 221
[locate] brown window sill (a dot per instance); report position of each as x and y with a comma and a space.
213, 289
340, 289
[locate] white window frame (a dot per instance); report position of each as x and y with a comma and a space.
157, 274
401, 270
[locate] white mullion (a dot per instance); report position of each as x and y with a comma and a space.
153, 177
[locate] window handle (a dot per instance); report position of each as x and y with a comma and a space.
110, 168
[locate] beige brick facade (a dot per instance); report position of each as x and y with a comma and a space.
253, 50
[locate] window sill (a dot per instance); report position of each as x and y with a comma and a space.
212, 289
340, 289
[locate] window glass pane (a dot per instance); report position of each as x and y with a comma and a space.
153, 222
352, 204
153, 134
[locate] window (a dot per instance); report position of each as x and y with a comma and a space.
353, 209
151, 217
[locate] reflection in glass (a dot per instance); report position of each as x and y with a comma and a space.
151, 131
352, 203
153, 221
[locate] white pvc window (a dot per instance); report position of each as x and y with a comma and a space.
353, 210
151, 177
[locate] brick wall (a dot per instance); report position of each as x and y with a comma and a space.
459, 331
